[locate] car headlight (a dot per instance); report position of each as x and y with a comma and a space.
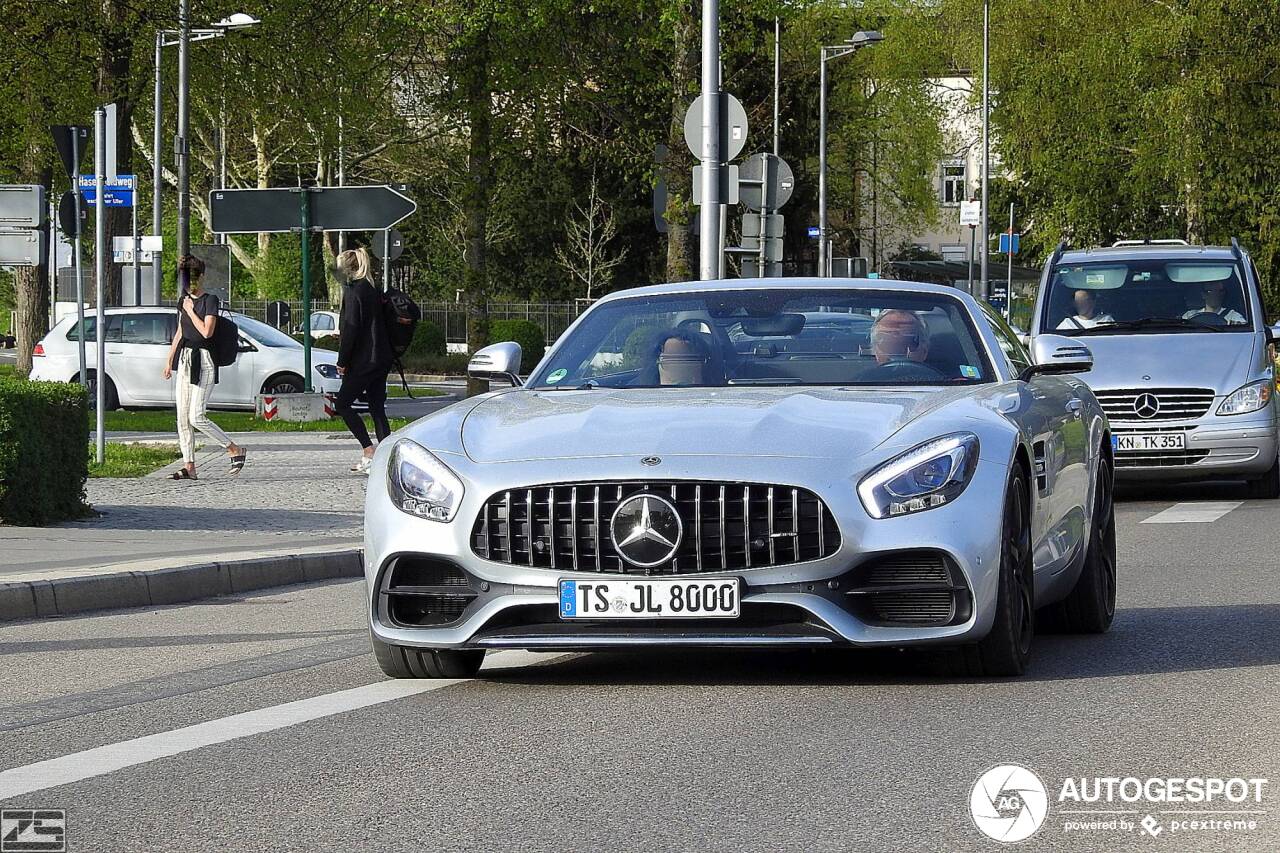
421, 484
928, 476
1250, 398
328, 371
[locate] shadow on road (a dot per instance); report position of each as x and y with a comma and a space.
1222, 490
1143, 641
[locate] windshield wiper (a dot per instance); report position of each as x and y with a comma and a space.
777, 380
1150, 323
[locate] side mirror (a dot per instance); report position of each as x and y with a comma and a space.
1058, 354
497, 361
245, 346
1271, 334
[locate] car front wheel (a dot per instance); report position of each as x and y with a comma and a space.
406, 662
1091, 605
1267, 487
1006, 650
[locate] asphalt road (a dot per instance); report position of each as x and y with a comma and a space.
717, 751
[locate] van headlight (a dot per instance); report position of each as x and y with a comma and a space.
1250, 398
420, 484
928, 476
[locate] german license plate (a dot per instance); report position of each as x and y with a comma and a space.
649, 599
1149, 441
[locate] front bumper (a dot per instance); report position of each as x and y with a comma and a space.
816, 603
1216, 448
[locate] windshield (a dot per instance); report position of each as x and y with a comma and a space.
770, 337
1165, 295
264, 334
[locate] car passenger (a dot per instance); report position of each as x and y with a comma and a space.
1086, 316
1214, 295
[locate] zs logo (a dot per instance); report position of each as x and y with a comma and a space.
33, 831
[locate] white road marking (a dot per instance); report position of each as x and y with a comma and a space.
117, 756
1198, 512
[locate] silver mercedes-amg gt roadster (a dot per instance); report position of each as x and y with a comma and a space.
775, 462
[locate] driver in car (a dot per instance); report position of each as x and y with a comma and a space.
899, 336
681, 358
1215, 293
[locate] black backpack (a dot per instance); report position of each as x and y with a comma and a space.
225, 346
401, 316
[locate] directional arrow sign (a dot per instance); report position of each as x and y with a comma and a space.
253, 211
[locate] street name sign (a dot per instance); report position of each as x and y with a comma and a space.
22, 206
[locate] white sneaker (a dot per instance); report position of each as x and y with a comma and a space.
363, 466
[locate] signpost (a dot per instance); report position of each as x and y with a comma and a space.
304, 210
71, 142
971, 215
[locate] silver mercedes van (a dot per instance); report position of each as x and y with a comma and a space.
1181, 362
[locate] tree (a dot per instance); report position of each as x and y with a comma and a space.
586, 255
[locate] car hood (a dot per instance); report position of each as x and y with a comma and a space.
1219, 360
780, 422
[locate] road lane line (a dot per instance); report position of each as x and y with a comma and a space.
117, 756
1196, 512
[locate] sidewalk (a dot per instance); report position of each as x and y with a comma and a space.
295, 513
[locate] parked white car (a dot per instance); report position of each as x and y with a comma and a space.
324, 324
138, 341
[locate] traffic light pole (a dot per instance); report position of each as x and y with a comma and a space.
304, 193
710, 213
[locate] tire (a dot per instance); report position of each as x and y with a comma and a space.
1090, 607
110, 397
1006, 649
1266, 487
405, 662
283, 383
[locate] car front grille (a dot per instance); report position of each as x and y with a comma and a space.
1172, 404
727, 526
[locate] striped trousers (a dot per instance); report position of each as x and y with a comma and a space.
192, 402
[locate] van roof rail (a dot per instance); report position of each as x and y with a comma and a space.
1236, 250
1149, 242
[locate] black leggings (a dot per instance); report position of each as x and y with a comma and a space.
372, 383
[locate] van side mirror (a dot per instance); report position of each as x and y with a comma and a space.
1056, 355
497, 361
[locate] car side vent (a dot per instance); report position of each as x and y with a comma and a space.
920, 588
424, 592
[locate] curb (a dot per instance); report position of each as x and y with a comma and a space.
38, 599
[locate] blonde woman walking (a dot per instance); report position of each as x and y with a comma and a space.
364, 353
191, 356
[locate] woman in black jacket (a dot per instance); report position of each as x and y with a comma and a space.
364, 353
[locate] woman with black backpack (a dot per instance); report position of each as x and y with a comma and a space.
364, 353
191, 355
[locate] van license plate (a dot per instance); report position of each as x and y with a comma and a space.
1147, 441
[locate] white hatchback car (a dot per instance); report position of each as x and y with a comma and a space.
138, 340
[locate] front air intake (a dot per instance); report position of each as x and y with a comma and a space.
420, 592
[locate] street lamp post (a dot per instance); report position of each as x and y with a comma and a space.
984, 284
861, 39
169, 38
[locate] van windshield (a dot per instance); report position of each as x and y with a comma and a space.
1122, 297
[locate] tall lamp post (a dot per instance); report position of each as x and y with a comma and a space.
170, 38
861, 39
984, 286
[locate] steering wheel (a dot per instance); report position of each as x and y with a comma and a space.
907, 371
1209, 318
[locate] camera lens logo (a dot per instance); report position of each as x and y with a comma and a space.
1008, 803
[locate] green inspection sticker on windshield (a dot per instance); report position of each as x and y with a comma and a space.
556, 376
969, 371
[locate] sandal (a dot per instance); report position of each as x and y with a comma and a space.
237, 462
182, 474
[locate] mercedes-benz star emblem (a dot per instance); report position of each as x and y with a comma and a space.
646, 530
650, 461
1146, 406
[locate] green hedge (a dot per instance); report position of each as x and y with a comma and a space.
428, 340
44, 436
526, 333
452, 364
